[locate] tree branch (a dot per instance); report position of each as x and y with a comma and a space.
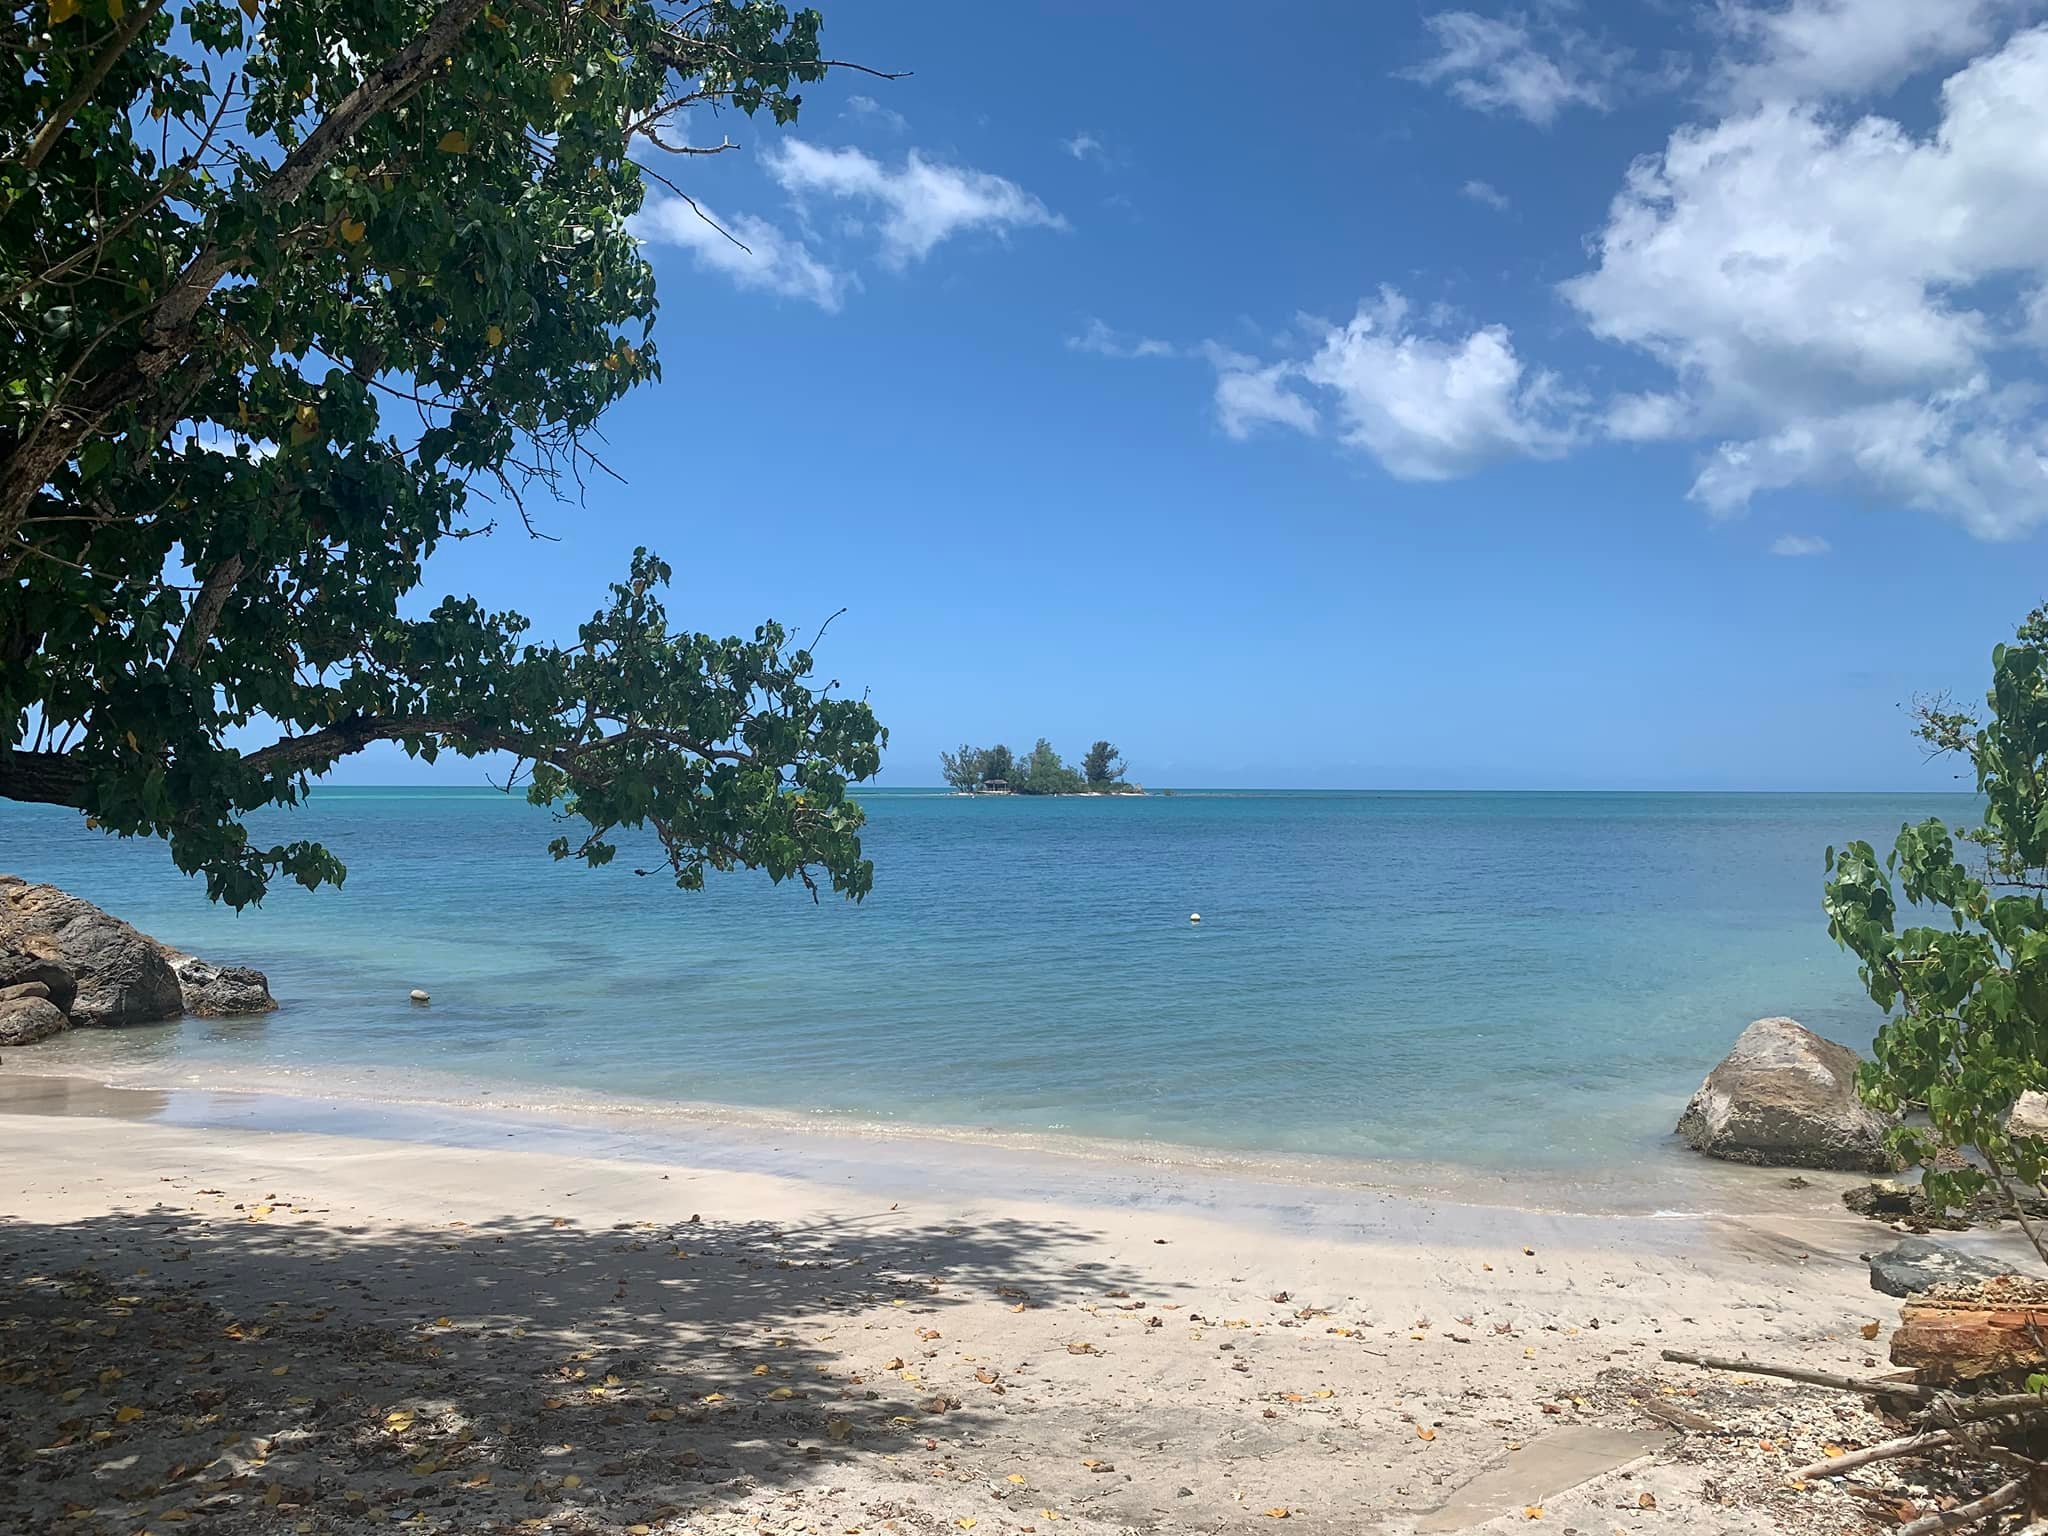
206, 610
53, 127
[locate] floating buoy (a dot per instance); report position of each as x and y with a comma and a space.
419, 995
1194, 917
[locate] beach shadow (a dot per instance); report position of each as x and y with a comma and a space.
267, 1362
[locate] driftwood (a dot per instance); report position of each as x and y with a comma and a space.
1880, 1388
1951, 1340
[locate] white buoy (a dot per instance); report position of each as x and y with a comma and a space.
1194, 917
419, 995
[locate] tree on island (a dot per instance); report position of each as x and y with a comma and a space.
1103, 764
1041, 772
1966, 998
287, 291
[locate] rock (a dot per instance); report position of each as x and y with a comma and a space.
2029, 1117
124, 976
1784, 1097
213, 990
25, 1020
1913, 1265
22, 989
31, 969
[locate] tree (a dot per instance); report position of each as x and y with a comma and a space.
1965, 999
1044, 773
1102, 764
286, 293
965, 769
999, 764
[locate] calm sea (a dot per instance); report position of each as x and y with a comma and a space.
1502, 981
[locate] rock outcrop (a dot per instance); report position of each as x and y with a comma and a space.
212, 990
1914, 1265
64, 962
1784, 1097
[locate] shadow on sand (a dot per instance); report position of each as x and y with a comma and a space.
261, 1368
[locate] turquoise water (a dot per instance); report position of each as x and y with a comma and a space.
1503, 981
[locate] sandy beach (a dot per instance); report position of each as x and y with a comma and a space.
224, 1327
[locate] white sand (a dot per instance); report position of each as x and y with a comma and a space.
335, 1334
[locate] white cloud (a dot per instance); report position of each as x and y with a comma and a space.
1486, 192
1809, 49
922, 201
771, 260
1084, 145
1798, 545
1252, 394
1836, 300
873, 111
1106, 341
1647, 418
1432, 407
1531, 67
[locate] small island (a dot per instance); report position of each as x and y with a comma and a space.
999, 771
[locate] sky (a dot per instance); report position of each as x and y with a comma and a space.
1568, 396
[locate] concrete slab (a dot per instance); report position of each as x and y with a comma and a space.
1541, 1469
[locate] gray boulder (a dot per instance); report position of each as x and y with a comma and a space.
1914, 1265
212, 990
1786, 1098
123, 976
25, 1020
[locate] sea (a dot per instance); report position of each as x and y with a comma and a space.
1526, 982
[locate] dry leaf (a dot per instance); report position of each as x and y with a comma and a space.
1869, 1330
1532, 1511
1646, 1501
1425, 1434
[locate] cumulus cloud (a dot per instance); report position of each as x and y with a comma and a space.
750, 251
1431, 404
1796, 546
922, 202
1428, 401
1533, 68
1810, 49
1825, 294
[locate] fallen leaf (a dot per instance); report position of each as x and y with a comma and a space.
1092, 1465
1425, 1434
1646, 1501
128, 1413
1278, 1512
1532, 1511
1869, 1330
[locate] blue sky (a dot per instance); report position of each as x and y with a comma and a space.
1557, 397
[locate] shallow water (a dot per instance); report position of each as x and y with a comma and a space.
1496, 981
